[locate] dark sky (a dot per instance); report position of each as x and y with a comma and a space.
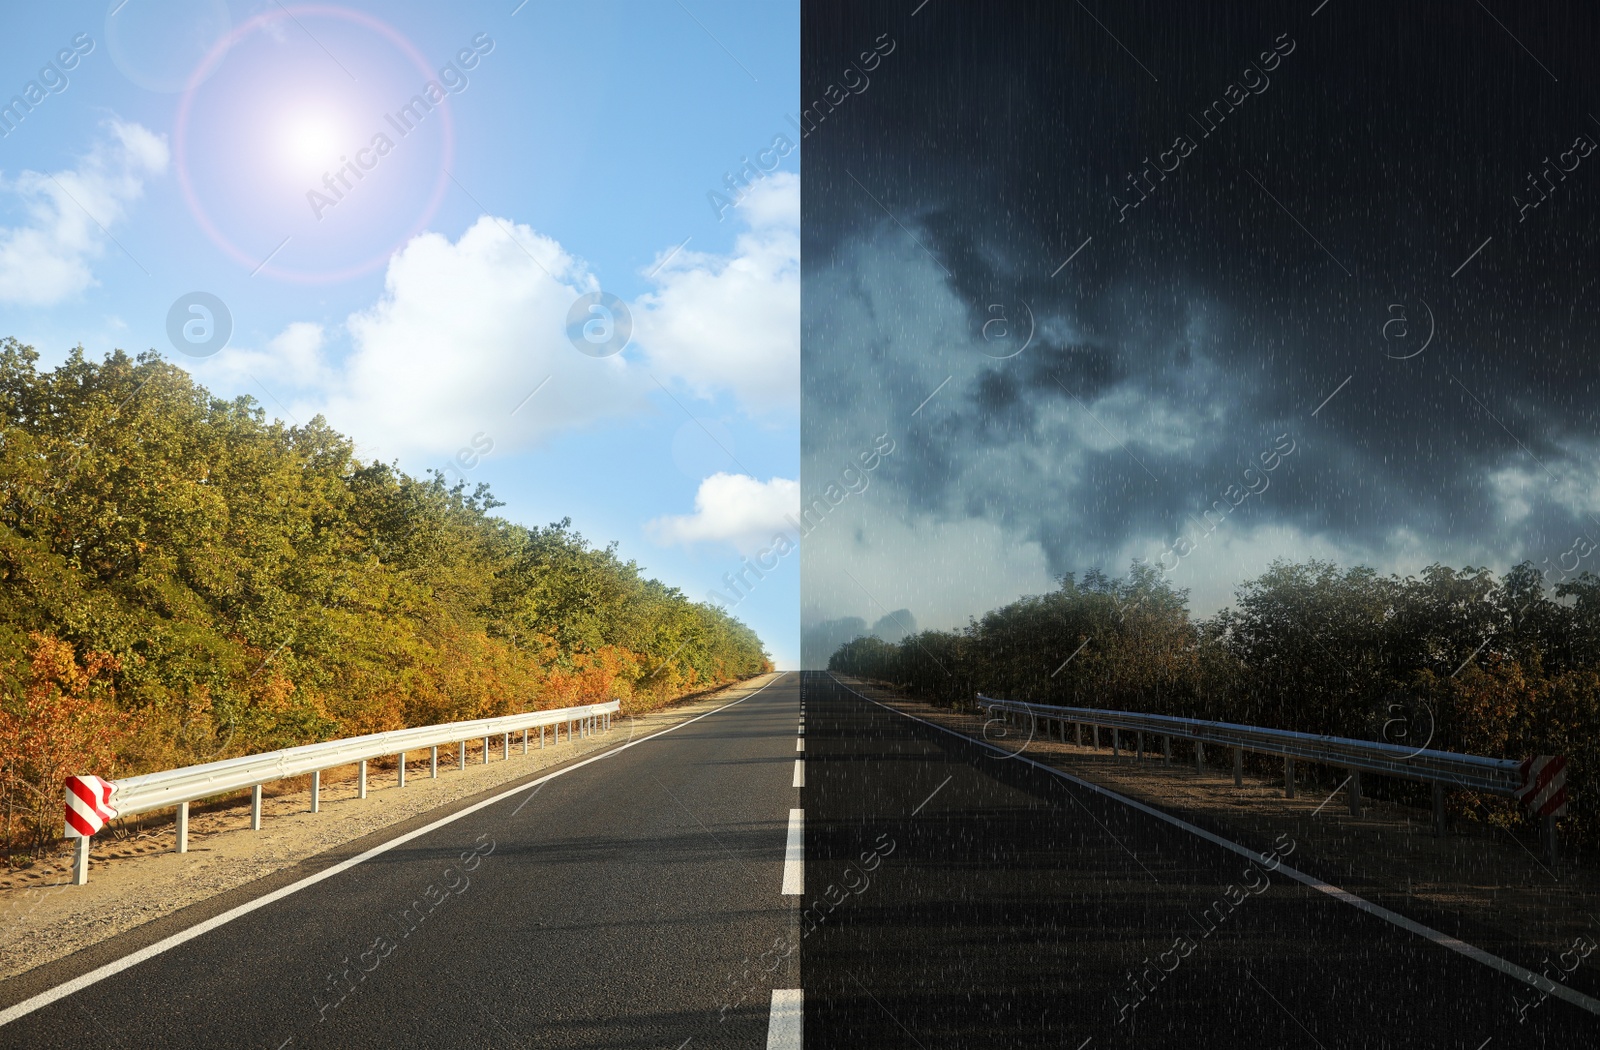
1361, 166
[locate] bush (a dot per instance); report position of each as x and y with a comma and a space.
1456, 659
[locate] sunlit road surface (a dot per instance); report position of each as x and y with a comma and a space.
626, 903
803, 857
1018, 909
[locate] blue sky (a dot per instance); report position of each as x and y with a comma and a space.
404, 259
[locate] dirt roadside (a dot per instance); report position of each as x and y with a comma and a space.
1477, 883
135, 875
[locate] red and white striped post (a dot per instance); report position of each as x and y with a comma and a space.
1544, 794
87, 810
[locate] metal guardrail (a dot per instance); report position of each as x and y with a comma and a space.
1442, 769
179, 787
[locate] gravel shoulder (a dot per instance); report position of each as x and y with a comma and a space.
1477, 883
136, 877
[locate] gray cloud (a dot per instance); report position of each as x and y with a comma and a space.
1178, 345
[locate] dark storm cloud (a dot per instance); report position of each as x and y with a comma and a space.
1359, 169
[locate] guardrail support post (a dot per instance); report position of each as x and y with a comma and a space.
1141, 745
1288, 776
569, 730
462, 754
1552, 844
402, 769
485, 750
1355, 792
505, 747
80, 862
433, 764
183, 827
361, 780
1438, 809
524, 741
1199, 757
1238, 767
255, 808
1114, 752
1077, 733
1166, 750
541, 737
316, 793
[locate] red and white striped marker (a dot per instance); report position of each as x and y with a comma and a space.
1544, 786
88, 805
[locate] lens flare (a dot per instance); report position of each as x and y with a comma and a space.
310, 143
320, 147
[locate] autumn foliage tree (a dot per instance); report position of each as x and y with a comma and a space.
57, 717
231, 585
1452, 659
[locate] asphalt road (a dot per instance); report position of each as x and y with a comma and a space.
626, 903
949, 896
1017, 909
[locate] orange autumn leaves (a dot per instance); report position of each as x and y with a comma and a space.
56, 719
184, 579
1462, 660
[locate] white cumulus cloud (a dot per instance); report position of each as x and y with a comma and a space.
735, 509
733, 322
47, 258
466, 331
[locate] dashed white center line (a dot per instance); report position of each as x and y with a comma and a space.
799, 772
794, 871
783, 1025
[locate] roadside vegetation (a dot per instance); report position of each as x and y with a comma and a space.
1457, 660
182, 580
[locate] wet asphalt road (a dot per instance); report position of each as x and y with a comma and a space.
953, 898
1020, 910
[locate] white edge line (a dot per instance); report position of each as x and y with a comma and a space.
800, 743
1494, 962
799, 773
111, 969
785, 1020
794, 856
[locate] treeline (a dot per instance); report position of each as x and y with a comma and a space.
1457, 660
182, 580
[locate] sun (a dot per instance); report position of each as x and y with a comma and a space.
309, 143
